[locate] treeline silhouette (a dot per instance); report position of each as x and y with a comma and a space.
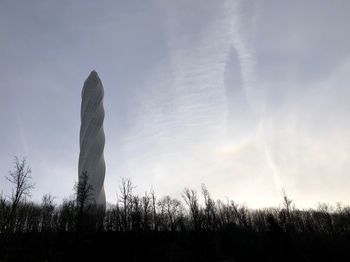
162, 228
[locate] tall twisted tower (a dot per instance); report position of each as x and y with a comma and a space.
92, 138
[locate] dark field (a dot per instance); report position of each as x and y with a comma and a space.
230, 245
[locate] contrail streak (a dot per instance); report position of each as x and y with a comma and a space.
247, 63
246, 54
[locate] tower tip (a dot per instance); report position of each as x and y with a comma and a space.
93, 74
92, 82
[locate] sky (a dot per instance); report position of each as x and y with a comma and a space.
247, 97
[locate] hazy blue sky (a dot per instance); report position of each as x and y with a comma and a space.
244, 96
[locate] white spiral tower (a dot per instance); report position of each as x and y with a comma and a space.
92, 138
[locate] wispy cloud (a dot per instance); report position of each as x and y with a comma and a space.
245, 96
253, 92
245, 51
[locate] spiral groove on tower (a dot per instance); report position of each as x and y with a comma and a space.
92, 138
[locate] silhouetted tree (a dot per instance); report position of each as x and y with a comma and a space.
126, 189
47, 210
209, 210
4, 212
154, 210
146, 206
84, 196
67, 220
191, 199
170, 211
20, 178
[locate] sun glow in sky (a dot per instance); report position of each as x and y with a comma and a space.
247, 97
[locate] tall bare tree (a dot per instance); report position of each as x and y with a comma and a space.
154, 210
21, 179
84, 194
209, 209
47, 209
146, 206
170, 210
191, 199
126, 189
83, 191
